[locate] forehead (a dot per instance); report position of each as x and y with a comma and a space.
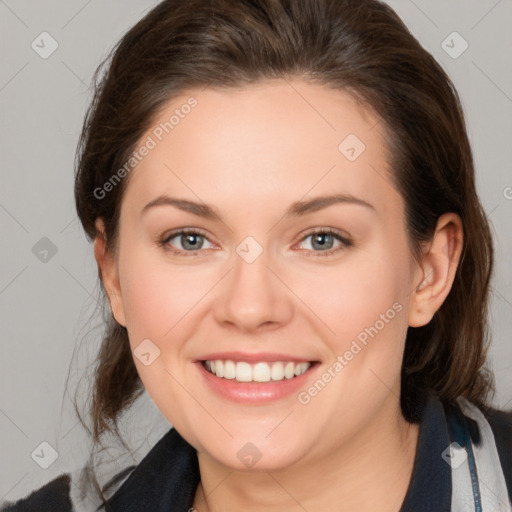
272, 142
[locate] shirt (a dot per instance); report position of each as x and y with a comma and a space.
166, 479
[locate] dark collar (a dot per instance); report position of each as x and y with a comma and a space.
430, 488
166, 479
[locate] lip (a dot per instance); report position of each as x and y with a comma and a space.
267, 357
256, 392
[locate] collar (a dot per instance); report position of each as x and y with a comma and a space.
167, 477
430, 487
165, 480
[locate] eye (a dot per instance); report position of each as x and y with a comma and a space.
191, 240
324, 239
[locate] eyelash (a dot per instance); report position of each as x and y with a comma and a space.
163, 242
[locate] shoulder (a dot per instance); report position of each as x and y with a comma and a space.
501, 425
169, 460
499, 436
53, 496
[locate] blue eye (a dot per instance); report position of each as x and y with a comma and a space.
192, 241
325, 238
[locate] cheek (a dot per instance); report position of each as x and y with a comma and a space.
354, 296
363, 304
156, 298
158, 301
365, 312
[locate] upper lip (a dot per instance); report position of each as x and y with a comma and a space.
253, 357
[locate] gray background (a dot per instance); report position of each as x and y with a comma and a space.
49, 308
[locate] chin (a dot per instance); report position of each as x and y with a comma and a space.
255, 457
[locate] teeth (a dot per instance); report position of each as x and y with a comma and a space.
229, 370
277, 372
243, 372
219, 369
289, 370
259, 372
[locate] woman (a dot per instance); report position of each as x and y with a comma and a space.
282, 200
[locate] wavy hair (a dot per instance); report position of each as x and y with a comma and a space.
359, 46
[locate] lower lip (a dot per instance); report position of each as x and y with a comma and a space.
255, 392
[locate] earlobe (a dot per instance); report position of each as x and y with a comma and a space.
108, 273
436, 273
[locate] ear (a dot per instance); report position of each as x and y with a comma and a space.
107, 266
436, 272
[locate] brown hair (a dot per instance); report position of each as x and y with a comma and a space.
360, 46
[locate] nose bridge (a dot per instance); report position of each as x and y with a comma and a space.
253, 295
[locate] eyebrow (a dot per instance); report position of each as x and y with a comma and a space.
296, 209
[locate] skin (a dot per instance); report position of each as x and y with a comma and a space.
250, 153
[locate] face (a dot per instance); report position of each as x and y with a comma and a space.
271, 275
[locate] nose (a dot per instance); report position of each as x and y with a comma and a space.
254, 296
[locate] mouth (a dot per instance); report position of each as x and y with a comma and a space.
255, 378
258, 372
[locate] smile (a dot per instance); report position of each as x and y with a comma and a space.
243, 371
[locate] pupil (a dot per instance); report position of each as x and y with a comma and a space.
188, 240
320, 238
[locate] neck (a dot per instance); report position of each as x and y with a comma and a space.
372, 472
